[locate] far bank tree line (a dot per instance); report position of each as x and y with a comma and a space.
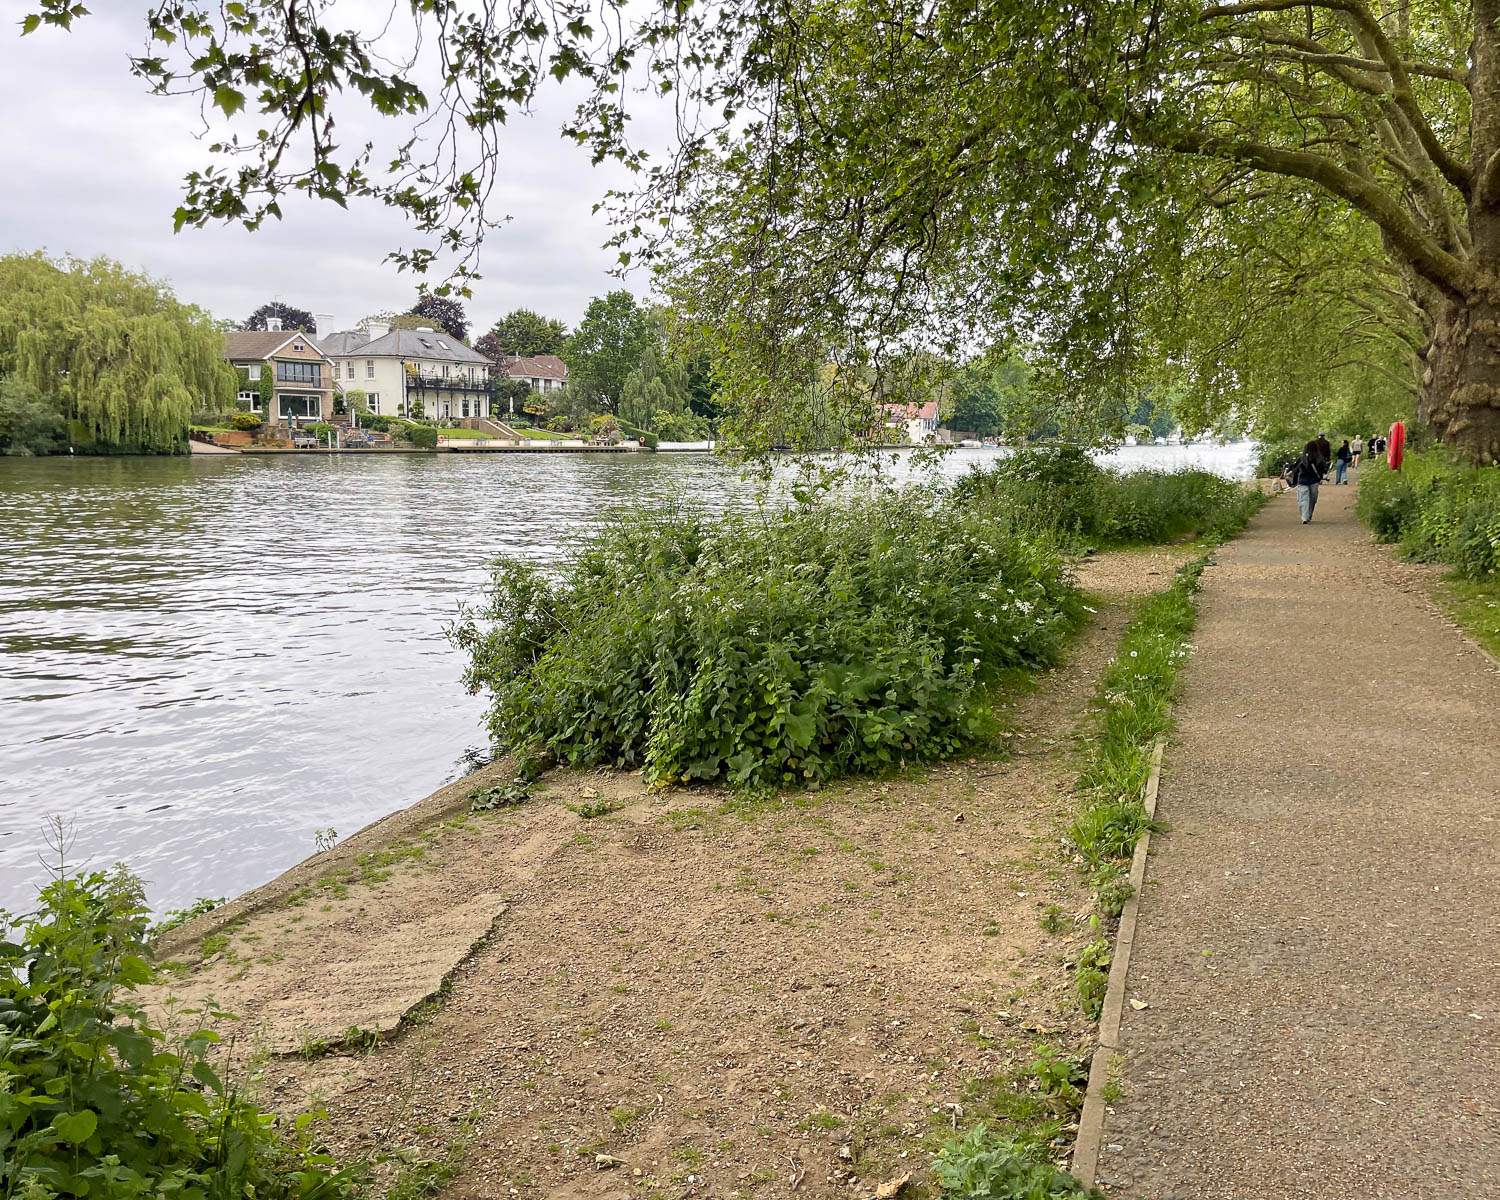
95, 358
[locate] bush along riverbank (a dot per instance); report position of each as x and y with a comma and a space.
96, 1099
1437, 510
788, 648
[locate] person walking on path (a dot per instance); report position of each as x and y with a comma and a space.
1356, 448
1325, 453
1307, 474
1341, 463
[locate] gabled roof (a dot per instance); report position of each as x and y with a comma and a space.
423, 344
540, 366
260, 343
337, 344
925, 412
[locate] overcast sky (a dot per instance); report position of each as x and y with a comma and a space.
96, 163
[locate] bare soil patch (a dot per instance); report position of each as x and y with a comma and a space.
614, 992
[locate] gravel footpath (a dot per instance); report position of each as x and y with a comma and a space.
1317, 949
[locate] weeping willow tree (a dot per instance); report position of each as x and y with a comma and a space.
123, 362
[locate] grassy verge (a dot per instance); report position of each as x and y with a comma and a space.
1437, 510
1134, 711
1475, 605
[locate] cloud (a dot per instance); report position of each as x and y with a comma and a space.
97, 164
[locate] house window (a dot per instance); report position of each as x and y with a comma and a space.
250, 400
373, 400
464, 407
369, 368
298, 346
299, 372
445, 370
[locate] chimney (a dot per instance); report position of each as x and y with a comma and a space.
273, 324
376, 329
324, 322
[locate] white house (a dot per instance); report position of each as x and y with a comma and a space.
916, 423
399, 369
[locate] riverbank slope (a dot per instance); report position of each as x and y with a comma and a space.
608, 991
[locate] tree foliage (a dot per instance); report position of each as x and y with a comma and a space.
524, 333
112, 350
445, 313
608, 344
291, 318
30, 422
855, 183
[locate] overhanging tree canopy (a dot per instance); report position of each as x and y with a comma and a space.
867, 178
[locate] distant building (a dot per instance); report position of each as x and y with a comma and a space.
914, 423
302, 376
399, 368
543, 372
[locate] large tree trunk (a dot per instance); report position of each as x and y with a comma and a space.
1461, 387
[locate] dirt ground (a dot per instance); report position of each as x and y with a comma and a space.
607, 992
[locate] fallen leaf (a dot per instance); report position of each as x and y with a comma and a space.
1138, 1004
891, 1186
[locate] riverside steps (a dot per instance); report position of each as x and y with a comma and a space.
1314, 989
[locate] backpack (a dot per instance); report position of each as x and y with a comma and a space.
1289, 474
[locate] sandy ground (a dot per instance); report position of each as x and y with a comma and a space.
1317, 934
685, 994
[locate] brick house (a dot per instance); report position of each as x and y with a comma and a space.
541, 372
302, 377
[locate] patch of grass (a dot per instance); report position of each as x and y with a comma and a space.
820, 1119
181, 916
1053, 919
1475, 606
1091, 977
213, 943
427, 1177
623, 1117
594, 806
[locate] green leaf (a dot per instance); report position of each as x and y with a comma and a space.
76, 1127
228, 99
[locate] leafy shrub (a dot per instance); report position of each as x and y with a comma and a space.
246, 421
379, 422
176, 917
95, 1102
1438, 510
984, 1165
1062, 490
650, 440
769, 649
30, 422
424, 437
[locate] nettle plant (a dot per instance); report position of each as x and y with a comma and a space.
769, 649
95, 1100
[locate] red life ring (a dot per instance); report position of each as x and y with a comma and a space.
1397, 448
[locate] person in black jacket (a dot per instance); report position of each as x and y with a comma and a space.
1307, 475
1324, 452
1341, 458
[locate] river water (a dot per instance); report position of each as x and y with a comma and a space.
204, 661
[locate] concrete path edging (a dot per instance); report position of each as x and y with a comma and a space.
1088, 1144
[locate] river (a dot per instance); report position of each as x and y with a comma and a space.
204, 661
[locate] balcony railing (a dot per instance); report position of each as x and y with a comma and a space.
434, 383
